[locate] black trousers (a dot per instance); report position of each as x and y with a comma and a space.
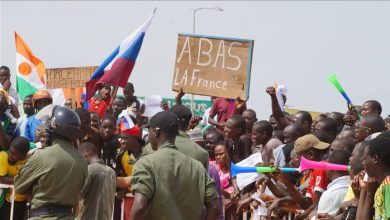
19, 210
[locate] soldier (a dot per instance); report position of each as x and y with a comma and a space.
55, 175
168, 184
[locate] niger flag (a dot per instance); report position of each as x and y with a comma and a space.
30, 71
31, 75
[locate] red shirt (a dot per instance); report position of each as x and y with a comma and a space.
224, 109
98, 105
318, 182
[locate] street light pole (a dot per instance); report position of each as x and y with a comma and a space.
194, 32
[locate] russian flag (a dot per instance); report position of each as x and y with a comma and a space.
116, 69
125, 123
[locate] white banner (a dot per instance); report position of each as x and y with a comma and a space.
244, 179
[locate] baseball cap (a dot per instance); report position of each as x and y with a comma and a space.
309, 141
134, 131
181, 111
166, 121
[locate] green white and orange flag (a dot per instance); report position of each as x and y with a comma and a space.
30, 70
31, 73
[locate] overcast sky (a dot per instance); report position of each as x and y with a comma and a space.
296, 43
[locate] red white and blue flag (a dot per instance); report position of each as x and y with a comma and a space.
116, 69
125, 123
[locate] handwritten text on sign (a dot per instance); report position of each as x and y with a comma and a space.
71, 77
213, 66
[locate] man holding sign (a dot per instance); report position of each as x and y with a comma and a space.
224, 109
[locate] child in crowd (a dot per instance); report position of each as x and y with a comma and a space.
10, 164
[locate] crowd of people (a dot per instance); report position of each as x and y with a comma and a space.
109, 161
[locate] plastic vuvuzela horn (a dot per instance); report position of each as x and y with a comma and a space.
238, 169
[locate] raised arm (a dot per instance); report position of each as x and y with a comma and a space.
276, 111
178, 96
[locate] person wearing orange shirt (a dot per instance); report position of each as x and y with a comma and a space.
100, 103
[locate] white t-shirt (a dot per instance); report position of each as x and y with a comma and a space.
333, 196
280, 160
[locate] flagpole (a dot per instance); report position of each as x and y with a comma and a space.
194, 32
113, 96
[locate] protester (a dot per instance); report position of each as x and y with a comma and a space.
132, 102
368, 127
333, 196
223, 167
158, 190
278, 134
236, 140
68, 103
91, 134
8, 125
95, 120
274, 123
311, 148
98, 192
387, 123
110, 141
212, 138
371, 106
10, 164
263, 141
118, 105
55, 175
224, 108
356, 162
342, 143
302, 117
347, 132
316, 120
130, 151
100, 103
377, 166
5, 83
40, 99
41, 137
28, 110
328, 126
282, 154
131, 147
338, 118
250, 119
206, 115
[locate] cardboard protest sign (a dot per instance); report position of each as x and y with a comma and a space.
213, 66
71, 77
